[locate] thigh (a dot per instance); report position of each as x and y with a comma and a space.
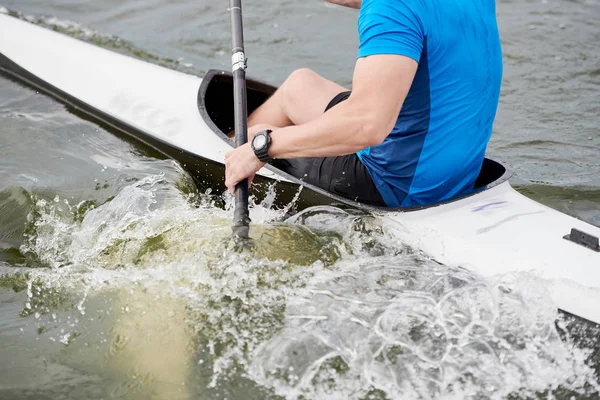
345, 175
306, 94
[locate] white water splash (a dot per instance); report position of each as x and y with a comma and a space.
329, 305
412, 333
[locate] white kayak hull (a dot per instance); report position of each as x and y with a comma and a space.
494, 231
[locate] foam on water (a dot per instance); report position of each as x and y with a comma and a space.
418, 331
326, 305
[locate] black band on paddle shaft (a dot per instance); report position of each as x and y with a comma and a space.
241, 217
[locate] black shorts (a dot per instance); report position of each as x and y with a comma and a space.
345, 175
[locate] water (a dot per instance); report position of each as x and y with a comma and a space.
117, 282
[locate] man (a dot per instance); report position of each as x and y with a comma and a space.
415, 127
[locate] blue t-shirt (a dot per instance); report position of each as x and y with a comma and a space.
437, 146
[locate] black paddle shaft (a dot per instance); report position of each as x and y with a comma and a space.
241, 217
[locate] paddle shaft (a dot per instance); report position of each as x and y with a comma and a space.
241, 217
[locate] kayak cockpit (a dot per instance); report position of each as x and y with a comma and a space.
215, 99
215, 103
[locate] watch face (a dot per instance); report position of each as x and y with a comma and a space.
259, 141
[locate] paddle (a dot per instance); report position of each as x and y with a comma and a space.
241, 216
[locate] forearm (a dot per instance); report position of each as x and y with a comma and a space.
344, 129
347, 3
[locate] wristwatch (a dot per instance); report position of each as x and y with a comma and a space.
260, 144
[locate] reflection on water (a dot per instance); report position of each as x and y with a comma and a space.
583, 203
141, 296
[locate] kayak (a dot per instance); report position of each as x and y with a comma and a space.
493, 231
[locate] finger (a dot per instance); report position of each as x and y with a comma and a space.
229, 182
230, 186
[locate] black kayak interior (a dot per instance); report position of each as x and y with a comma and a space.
215, 103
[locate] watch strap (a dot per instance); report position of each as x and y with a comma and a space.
263, 153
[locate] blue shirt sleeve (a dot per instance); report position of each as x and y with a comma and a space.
391, 27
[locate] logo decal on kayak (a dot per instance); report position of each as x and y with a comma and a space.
161, 123
495, 204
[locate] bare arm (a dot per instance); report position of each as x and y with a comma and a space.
346, 3
380, 85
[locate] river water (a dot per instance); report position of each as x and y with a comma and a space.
116, 282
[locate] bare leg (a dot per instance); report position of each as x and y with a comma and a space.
300, 99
